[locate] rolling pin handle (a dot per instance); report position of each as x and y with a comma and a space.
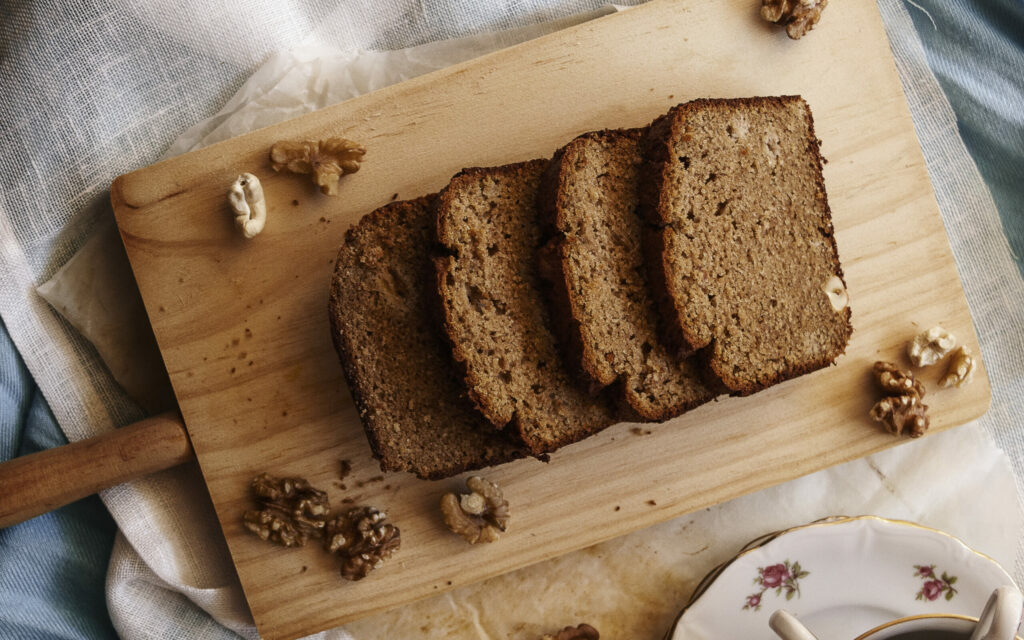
40, 482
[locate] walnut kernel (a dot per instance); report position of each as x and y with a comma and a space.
270, 525
580, 632
363, 540
248, 204
928, 347
902, 409
902, 413
292, 510
479, 516
961, 369
835, 290
798, 16
328, 160
896, 382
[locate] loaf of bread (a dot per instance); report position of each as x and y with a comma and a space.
385, 328
742, 249
494, 310
589, 197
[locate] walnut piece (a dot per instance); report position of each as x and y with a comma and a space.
292, 510
580, 632
835, 290
961, 369
328, 160
270, 524
248, 204
798, 16
896, 382
363, 540
902, 413
928, 347
479, 516
902, 409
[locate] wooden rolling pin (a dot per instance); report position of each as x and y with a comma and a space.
34, 484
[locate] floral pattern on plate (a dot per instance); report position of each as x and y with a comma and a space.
783, 578
933, 586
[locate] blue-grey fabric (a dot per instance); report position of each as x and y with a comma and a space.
52, 568
976, 51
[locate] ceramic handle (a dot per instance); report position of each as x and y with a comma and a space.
43, 481
786, 626
1001, 616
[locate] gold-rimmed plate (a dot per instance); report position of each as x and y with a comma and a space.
841, 576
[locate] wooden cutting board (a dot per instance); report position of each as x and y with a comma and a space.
243, 326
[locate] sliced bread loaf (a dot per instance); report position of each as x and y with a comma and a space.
744, 253
386, 331
494, 310
589, 196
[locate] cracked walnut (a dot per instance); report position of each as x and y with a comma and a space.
798, 16
363, 540
902, 409
479, 516
291, 511
328, 160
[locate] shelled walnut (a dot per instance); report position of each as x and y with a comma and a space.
363, 541
328, 160
961, 369
928, 347
798, 16
902, 410
291, 511
580, 632
479, 516
896, 382
902, 413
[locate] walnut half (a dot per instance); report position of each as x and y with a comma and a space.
328, 160
798, 16
896, 382
292, 510
580, 632
363, 539
902, 410
479, 516
928, 347
961, 369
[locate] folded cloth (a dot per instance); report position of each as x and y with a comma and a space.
59, 557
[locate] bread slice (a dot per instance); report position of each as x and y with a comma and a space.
589, 196
744, 253
494, 310
386, 331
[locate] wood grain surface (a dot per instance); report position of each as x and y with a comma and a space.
243, 327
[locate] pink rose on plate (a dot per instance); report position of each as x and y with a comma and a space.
754, 601
925, 571
932, 589
774, 576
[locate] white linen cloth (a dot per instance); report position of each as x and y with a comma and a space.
170, 571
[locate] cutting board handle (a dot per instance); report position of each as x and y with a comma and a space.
43, 481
